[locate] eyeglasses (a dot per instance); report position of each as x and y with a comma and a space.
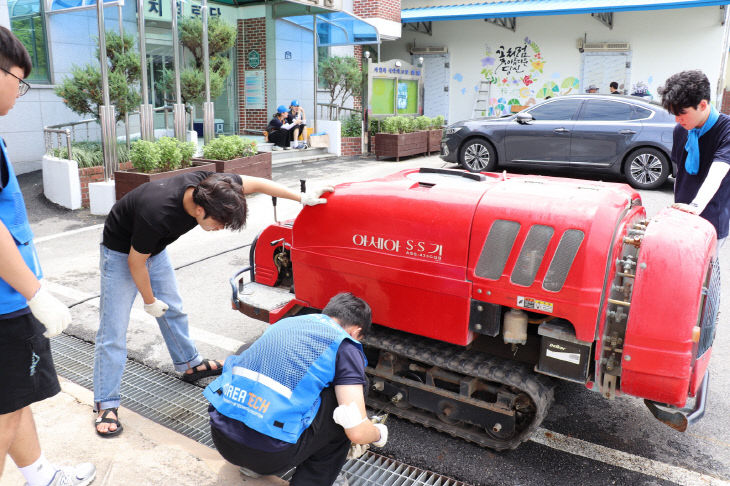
23, 87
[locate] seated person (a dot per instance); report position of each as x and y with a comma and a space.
295, 397
279, 130
296, 114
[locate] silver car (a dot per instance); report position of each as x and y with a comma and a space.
608, 133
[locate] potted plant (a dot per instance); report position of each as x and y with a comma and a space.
435, 134
66, 178
152, 161
399, 138
235, 155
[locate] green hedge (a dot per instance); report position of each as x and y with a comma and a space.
229, 147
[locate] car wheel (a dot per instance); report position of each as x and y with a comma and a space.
478, 155
646, 168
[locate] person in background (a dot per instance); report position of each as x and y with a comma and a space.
614, 87
296, 113
280, 130
29, 314
592, 89
701, 150
296, 397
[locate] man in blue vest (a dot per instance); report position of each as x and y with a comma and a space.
701, 150
29, 314
296, 398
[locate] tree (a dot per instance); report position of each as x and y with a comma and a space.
343, 78
82, 92
221, 37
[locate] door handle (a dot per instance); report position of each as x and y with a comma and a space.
561, 130
627, 132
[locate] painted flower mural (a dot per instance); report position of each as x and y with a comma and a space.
517, 74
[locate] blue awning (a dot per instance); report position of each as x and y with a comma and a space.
524, 8
338, 29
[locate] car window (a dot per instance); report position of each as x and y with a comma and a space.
640, 113
564, 109
605, 110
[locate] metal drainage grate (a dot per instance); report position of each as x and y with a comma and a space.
151, 393
375, 470
182, 407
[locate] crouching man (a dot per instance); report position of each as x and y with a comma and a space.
296, 398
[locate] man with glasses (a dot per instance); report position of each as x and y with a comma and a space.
295, 398
29, 314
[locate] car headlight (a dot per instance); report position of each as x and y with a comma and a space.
452, 130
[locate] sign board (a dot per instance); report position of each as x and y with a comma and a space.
254, 59
161, 10
254, 90
395, 87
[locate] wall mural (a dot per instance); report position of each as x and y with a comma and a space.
517, 77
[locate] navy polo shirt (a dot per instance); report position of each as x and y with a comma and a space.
714, 147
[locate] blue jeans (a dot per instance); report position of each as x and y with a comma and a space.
118, 292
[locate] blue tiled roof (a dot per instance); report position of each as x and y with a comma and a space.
523, 8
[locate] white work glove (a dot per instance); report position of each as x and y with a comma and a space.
348, 416
357, 450
383, 435
313, 198
156, 308
50, 311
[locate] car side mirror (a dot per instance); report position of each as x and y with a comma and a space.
524, 118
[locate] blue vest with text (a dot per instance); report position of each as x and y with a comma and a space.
273, 387
15, 219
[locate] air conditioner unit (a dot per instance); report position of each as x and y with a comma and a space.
419, 51
602, 46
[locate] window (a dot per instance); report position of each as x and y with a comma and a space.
564, 109
26, 22
604, 110
640, 113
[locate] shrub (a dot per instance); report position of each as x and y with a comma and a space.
89, 154
187, 150
352, 125
145, 156
390, 125
406, 124
438, 121
229, 147
423, 123
170, 154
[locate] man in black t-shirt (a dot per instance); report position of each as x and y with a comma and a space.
257, 401
701, 150
133, 259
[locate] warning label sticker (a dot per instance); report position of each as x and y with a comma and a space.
534, 304
569, 357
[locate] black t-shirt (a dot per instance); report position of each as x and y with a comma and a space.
274, 125
152, 216
4, 172
349, 370
714, 147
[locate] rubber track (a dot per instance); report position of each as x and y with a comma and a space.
466, 362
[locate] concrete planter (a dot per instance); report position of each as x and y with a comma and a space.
434, 140
126, 180
61, 183
400, 144
258, 165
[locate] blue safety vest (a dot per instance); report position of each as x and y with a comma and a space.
273, 387
15, 219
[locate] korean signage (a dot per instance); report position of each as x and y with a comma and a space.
254, 90
161, 10
395, 87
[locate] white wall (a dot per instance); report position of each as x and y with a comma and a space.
663, 42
